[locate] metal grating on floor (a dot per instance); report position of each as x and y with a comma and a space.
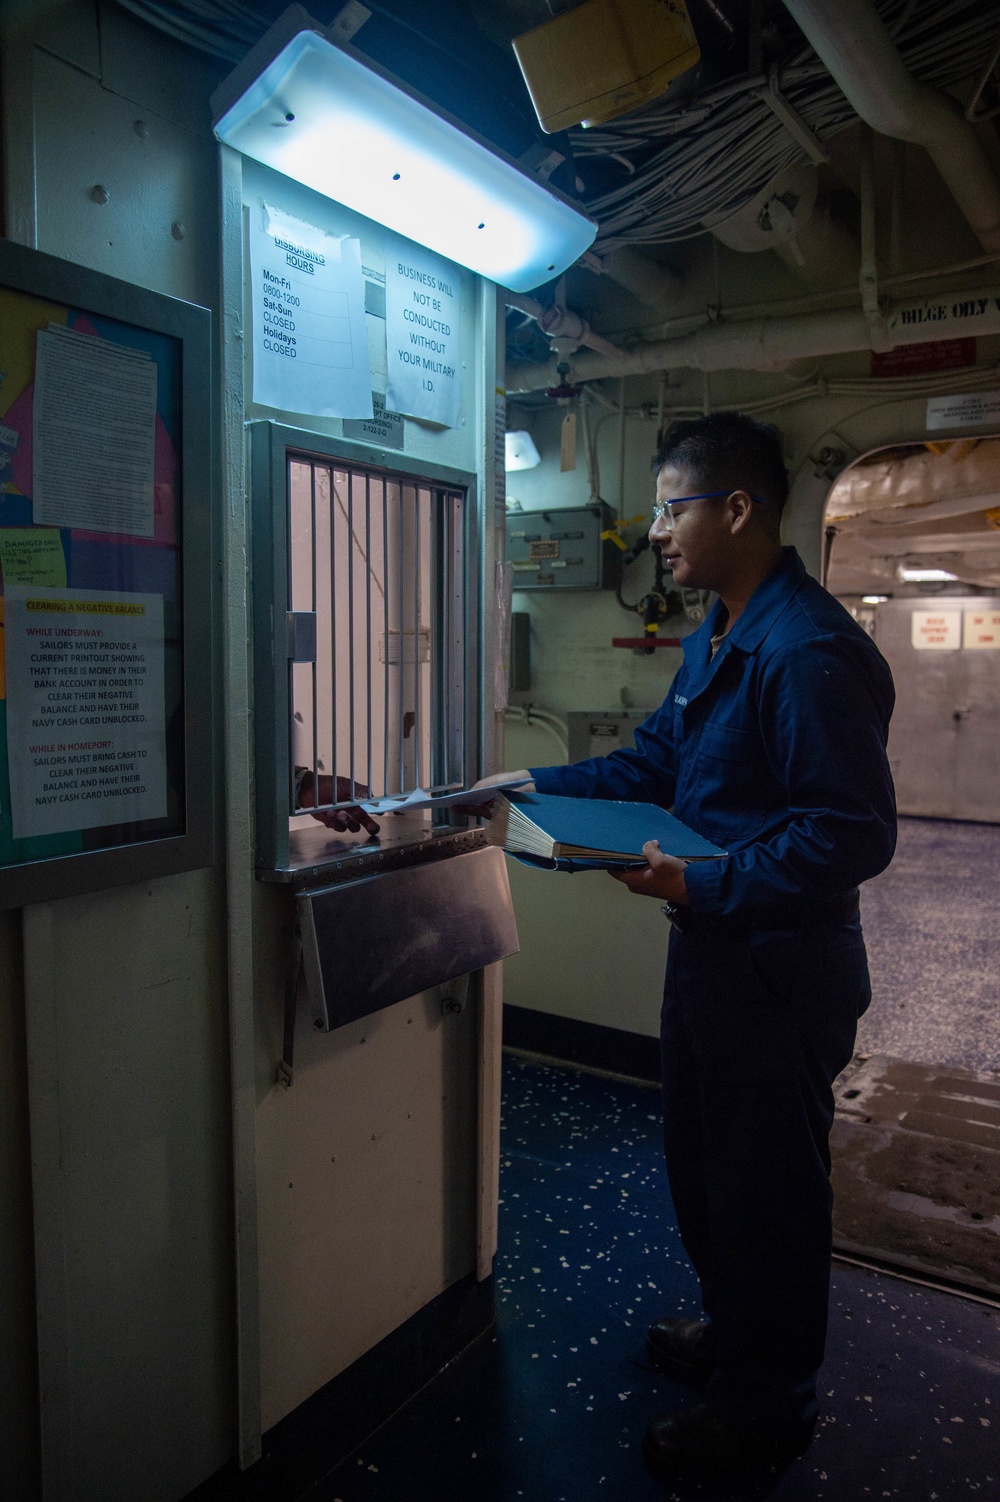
916, 1169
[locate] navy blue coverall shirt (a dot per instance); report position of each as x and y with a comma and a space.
775, 749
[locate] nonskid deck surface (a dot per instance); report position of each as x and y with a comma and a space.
554, 1409
933, 941
916, 1144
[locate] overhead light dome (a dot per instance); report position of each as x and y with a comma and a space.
322, 116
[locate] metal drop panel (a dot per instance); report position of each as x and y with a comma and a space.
370, 943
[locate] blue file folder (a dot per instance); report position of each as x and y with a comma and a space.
583, 834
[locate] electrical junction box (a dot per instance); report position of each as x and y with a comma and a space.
604, 58
595, 732
562, 549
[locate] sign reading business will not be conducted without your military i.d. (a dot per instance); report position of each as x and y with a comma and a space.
85, 708
423, 333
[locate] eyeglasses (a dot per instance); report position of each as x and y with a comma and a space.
667, 509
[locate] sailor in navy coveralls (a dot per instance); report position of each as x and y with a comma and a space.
771, 742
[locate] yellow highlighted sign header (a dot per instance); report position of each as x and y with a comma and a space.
85, 607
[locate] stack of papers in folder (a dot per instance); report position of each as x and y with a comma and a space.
584, 833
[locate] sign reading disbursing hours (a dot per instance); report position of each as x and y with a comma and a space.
310, 342
86, 727
423, 333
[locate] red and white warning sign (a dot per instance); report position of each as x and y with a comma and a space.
981, 630
936, 630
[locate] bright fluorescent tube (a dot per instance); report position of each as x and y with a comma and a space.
926, 576
317, 114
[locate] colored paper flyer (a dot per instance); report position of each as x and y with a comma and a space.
32, 555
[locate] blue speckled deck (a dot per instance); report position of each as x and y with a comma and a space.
933, 939
553, 1410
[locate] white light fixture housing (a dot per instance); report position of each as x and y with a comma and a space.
874, 599
320, 114
926, 576
520, 451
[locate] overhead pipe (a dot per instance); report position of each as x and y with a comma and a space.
773, 343
850, 39
874, 317
823, 252
655, 285
561, 324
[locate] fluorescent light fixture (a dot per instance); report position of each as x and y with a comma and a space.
874, 599
926, 576
319, 114
520, 451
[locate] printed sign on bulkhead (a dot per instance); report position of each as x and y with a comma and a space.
310, 342
86, 720
423, 333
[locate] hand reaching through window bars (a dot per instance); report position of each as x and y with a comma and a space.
341, 819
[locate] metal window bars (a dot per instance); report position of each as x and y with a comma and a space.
378, 669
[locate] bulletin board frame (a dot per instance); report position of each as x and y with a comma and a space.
190, 843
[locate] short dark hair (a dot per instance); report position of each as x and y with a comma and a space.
728, 451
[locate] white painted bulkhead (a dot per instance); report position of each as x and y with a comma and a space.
124, 1078
367, 1169
207, 1249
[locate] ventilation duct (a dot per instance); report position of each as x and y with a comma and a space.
850, 39
784, 216
655, 285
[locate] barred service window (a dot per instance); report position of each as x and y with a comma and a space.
379, 677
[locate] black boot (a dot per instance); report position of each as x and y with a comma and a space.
682, 1348
702, 1439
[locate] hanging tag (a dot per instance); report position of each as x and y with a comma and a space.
567, 443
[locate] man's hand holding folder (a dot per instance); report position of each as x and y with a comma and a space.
662, 877
570, 834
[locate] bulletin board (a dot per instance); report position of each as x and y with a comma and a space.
106, 573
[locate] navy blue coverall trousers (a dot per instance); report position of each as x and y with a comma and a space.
775, 748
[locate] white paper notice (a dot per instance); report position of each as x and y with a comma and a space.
94, 433
310, 342
423, 333
981, 631
978, 409
936, 630
85, 709
420, 798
